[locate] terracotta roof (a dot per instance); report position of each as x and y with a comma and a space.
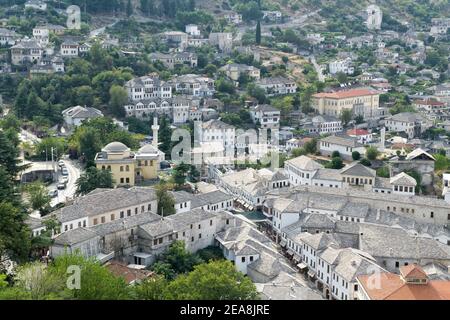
357, 132
412, 271
129, 274
346, 94
392, 287
429, 102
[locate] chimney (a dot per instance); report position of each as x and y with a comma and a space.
378, 214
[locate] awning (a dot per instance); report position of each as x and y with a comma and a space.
283, 243
311, 273
302, 266
297, 258
290, 252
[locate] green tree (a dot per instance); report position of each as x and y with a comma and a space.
216, 280
92, 179
346, 116
165, 135
14, 234
383, 172
96, 281
258, 32
335, 154
166, 202
372, 153
336, 163
180, 173
311, 146
151, 289
119, 98
129, 8
356, 155
297, 152
38, 196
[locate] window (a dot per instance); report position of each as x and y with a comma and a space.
135, 210
103, 219
192, 226
210, 222
199, 235
122, 214
155, 242
121, 168
129, 212
95, 221
243, 259
199, 226
160, 240
432, 214
113, 217
397, 264
192, 239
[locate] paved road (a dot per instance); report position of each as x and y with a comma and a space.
319, 69
293, 23
95, 33
67, 194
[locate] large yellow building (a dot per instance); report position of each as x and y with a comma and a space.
127, 167
363, 102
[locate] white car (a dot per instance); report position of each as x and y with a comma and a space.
64, 172
61, 163
53, 193
64, 179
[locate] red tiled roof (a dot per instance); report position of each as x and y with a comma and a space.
429, 102
357, 132
129, 274
413, 271
392, 287
346, 94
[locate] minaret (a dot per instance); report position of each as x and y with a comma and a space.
155, 128
383, 139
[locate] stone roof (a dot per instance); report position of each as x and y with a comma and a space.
157, 228
106, 201
403, 179
115, 147
183, 219
82, 112
318, 220
304, 163
317, 241
74, 236
359, 170
353, 209
328, 174
419, 152
406, 117
342, 141
383, 241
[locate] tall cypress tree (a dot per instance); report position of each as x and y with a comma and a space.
129, 8
258, 32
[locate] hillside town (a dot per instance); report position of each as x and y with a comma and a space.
284, 150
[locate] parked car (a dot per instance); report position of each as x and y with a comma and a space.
64, 171
61, 163
53, 193
64, 179
61, 186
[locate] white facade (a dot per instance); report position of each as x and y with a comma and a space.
192, 30
342, 66
147, 87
